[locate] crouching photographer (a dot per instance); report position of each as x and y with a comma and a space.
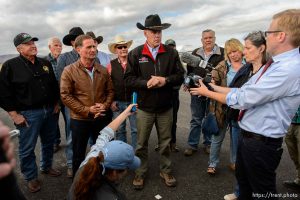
209, 55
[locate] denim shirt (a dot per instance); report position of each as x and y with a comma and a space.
66, 59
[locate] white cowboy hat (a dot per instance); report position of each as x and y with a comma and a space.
119, 40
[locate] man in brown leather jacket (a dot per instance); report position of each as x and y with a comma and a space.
86, 88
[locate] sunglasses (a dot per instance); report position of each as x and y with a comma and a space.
121, 47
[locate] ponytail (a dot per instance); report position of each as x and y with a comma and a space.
89, 178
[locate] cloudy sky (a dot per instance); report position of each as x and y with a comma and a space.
47, 18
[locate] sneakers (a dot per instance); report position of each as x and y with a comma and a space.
34, 185
189, 151
51, 172
292, 184
174, 147
230, 197
170, 180
138, 182
70, 173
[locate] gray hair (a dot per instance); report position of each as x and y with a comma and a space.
209, 30
258, 39
53, 39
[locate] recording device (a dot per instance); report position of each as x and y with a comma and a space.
134, 101
195, 61
192, 81
203, 72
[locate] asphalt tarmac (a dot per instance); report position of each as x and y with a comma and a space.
193, 181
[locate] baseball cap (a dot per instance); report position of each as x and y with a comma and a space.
120, 155
170, 42
22, 38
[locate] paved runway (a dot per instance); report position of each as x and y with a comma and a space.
193, 181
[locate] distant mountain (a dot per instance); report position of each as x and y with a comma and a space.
3, 58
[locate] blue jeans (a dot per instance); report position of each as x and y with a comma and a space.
41, 122
198, 107
215, 147
69, 149
217, 141
121, 132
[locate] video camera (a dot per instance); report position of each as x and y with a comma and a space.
192, 81
204, 73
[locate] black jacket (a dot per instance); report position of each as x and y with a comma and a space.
25, 86
117, 76
141, 66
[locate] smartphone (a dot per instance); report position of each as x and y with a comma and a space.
134, 101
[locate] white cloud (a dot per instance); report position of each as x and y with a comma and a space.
44, 19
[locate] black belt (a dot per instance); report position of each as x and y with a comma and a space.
259, 137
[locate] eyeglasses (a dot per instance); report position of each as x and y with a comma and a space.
121, 47
269, 32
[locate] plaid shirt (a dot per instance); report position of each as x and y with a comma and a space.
53, 62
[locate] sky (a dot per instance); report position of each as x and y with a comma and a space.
108, 18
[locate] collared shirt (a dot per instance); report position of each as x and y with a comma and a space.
154, 51
273, 100
53, 62
104, 58
207, 57
66, 59
231, 73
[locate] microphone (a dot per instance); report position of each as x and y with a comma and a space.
193, 60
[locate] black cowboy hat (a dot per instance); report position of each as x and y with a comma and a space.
153, 22
99, 39
73, 33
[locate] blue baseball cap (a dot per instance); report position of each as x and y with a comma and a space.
120, 155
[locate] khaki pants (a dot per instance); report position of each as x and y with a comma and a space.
292, 141
163, 123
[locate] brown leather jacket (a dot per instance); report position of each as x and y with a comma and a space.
79, 92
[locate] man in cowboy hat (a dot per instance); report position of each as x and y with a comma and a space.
153, 70
64, 60
30, 94
122, 98
104, 58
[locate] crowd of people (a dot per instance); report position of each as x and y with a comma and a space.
254, 94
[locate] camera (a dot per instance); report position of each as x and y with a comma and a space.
192, 80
